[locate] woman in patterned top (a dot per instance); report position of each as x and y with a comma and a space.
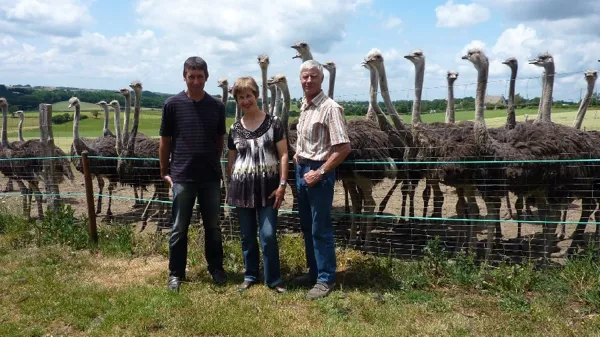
257, 167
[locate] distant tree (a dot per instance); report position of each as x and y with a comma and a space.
95, 113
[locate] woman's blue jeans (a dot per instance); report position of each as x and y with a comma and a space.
265, 220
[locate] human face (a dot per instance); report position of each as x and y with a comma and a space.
311, 82
195, 79
247, 100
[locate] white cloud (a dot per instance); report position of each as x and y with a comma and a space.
47, 17
452, 15
392, 22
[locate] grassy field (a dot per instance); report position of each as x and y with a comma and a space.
52, 283
150, 121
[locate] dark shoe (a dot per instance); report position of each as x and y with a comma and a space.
245, 285
219, 277
280, 288
173, 283
303, 281
320, 290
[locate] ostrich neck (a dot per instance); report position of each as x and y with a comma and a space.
548, 87
331, 83
307, 56
105, 129
386, 98
20, 129
127, 116
285, 113
4, 126
480, 129
539, 114
265, 102
416, 109
136, 121
374, 108
373, 115
450, 107
273, 90
77, 142
585, 102
225, 94
119, 141
511, 119
238, 115
278, 102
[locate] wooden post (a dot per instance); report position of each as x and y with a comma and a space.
89, 193
48, 152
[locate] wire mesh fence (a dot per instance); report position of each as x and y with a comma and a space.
395, 217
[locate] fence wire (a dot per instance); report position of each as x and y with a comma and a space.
385, 220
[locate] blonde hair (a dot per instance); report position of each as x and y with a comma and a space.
244, 83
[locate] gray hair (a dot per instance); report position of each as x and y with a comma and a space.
312, 64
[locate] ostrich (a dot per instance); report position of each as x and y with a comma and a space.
101, 168
274, 92
9, 185
418, 59
140, 166
105, 129
263, 62
590, 76
330, 67
302, 51
24, 165
224, 85
450, 108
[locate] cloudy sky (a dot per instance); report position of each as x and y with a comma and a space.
106, 44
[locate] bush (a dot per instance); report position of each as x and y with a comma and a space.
64, 118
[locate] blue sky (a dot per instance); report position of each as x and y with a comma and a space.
107, 44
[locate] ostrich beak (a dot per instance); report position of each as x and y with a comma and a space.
296, 56
534, 61
465, 57
504, 62
70, 106
408, 57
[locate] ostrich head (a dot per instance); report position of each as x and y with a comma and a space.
271, 82
543, 60
19, 113
329, 65
263, 61
73, 101
102, 104
301, 49
277, 79
374, 57
3, 103
124, 91
511, 62
115, 104
452, 76
477, 57
223, 83
136, 86
591, 76
416, 56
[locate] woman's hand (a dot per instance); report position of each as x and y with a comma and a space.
279, 195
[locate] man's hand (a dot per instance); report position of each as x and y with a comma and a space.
167, 178
279, 195
295, 158
312, 177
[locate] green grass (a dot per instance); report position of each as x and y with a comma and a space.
49, 285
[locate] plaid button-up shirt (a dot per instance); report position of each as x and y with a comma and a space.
321, 126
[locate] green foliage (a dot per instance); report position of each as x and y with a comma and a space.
60, 226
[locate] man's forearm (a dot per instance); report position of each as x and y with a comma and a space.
339, 154
164, 154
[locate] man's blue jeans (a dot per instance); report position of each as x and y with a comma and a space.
314, 208
209, 199
267, 228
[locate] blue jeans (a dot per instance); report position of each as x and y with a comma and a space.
314, 208
267, 227
184, 197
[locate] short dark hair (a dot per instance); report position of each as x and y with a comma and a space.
195, 63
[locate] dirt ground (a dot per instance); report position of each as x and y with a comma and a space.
392, 235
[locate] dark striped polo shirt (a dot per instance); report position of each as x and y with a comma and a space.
193, 128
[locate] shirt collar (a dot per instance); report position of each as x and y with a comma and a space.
317, 101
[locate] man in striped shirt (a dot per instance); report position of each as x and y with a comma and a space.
321, 146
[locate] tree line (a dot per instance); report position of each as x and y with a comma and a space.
26, 97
